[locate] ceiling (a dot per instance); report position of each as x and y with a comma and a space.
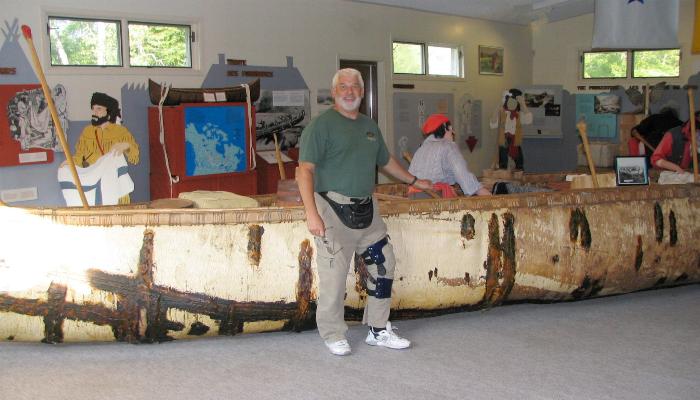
520, 12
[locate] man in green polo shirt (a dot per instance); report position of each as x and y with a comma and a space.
338, 154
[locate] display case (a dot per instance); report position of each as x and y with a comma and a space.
205, 147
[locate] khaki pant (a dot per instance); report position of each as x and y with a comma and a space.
333, 259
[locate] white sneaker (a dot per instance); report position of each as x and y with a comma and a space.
339, 348
387, 338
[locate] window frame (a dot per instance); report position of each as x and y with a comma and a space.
460, 60
425, 74
630, 54
583, 64
680, 58
124, 19
423, 59
120, 45
190, 42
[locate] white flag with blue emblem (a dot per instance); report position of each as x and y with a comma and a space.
635, 24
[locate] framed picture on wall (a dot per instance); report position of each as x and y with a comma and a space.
490, 60
631, 171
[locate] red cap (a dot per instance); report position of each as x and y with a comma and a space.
433, 122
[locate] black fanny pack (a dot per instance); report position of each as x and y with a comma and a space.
356, 215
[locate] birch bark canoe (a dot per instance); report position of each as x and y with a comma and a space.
151, 275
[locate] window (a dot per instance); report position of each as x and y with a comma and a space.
159, 45
605, 64
99, 42
441, 60
84, 42
408, 58
656, 63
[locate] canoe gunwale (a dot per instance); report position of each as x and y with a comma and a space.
120, 216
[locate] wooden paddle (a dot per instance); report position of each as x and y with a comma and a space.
27, 32
407, 156
278, 157
693, 140
287, 189
581, 126
646, 100
644, 141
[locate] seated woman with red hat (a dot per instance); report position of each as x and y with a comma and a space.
439, 160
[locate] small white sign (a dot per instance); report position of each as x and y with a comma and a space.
269, 156
288, 98
22, 194
38, 156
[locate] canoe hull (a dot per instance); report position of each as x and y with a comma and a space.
145, 275
177, 96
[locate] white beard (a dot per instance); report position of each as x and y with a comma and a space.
348, 106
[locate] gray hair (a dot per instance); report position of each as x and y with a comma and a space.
348, 72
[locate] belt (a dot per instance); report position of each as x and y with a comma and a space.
343, 199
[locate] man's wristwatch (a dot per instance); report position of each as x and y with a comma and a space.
415, 178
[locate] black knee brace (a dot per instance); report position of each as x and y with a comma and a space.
382, 289
374, 255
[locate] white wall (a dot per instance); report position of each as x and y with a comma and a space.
557, 48
315, 32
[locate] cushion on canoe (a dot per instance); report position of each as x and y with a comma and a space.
218, 199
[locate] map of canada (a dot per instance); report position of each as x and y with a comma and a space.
214, 140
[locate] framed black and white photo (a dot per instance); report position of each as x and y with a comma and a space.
631, 171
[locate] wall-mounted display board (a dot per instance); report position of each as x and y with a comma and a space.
555, 155
209, 147
283, 108
599, 111
410, 112
27, 135
468, 130
545, 104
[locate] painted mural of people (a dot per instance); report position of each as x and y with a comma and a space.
105, 136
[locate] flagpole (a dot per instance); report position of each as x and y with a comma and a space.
693, 140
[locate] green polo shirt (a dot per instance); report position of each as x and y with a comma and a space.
345, 152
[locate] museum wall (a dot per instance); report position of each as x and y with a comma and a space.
557, 47
316, 33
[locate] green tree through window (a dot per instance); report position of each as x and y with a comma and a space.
159, 45
656, 63
645, 63
84, 42
408, 58
609, 64
76, 41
